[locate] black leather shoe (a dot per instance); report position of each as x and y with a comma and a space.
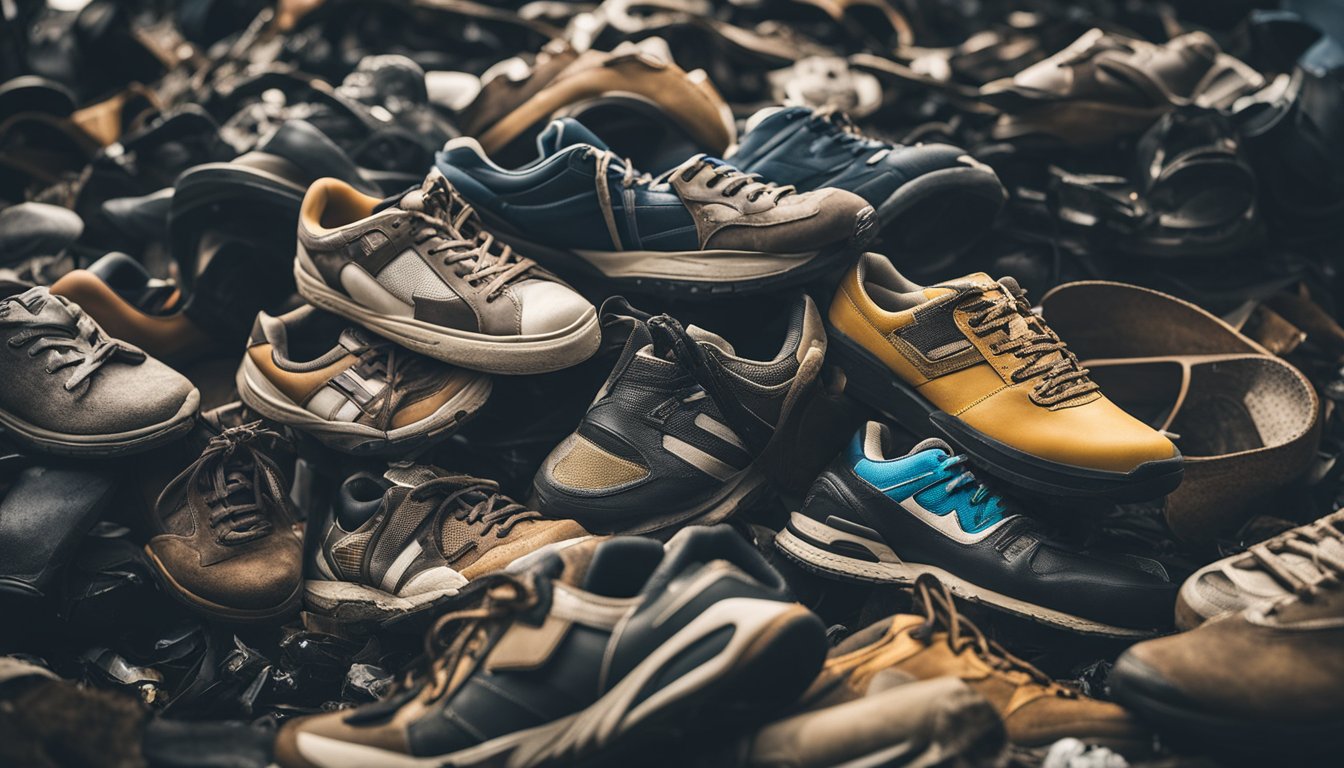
888, 520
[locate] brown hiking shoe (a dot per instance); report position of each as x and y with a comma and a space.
1265, 572
397, 543
518, 98
354, 391
1036, 710
970, 358
423, 274
227, 544
1264, 679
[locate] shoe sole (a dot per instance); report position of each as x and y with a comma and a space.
347, 602
772, 655
804, 547
536, 353
869, 381
1221, 735
214, 610
114, 444
942, 213
717, 272
257, 392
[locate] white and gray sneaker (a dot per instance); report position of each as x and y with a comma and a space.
396, 544
1265, 572
422, 272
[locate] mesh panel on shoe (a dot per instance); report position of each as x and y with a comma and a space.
455, 536
407, 276
406, 517
349, 552
934, 330
584, 465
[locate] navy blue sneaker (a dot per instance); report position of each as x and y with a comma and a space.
931, 199
702, 227
877, 519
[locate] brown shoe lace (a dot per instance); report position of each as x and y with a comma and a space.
451, 223
460, 635
229, 475
397, 365
475, 501
940, 614
1028, 338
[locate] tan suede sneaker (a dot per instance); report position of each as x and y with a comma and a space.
1036, 710
969, 356
227, 544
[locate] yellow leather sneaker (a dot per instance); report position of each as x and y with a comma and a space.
968, 356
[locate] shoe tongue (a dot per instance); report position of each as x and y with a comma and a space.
566, 132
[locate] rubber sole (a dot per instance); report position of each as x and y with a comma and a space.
869, 381
1134, 685
795, 542
116, 444
214, 610
777, 271
772, 655
358, 439
347, 602
538, 353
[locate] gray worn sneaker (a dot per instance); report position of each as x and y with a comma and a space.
1265, 572
69, 389
396, 544
423, 273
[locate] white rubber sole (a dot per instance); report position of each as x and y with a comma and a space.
113, 444
347, 601
564, 741
890, 569
259, 394
535, 353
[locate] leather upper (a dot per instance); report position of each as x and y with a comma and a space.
973, 382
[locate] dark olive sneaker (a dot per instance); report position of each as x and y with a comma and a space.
684, 427
422, 273
72, 390
227, 544
587, 653
354, 391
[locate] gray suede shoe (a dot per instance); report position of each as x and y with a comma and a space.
69, 389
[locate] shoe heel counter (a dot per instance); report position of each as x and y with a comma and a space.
825, 499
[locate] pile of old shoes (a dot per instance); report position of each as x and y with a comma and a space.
1246, 421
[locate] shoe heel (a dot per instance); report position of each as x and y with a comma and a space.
868, 381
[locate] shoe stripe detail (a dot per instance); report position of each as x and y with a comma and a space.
326, 402
399, 566
348, 412
948, 524
589, 610
719, 430
715, 468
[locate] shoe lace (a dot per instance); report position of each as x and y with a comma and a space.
841, 129
1306, 542
941, 615
475, 501
735, 182
80, 343
982, 499
396, 366
460, 635
1045, 357
229, 474
451, 223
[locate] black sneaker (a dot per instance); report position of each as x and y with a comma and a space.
585, 652
680, 429
878, 519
